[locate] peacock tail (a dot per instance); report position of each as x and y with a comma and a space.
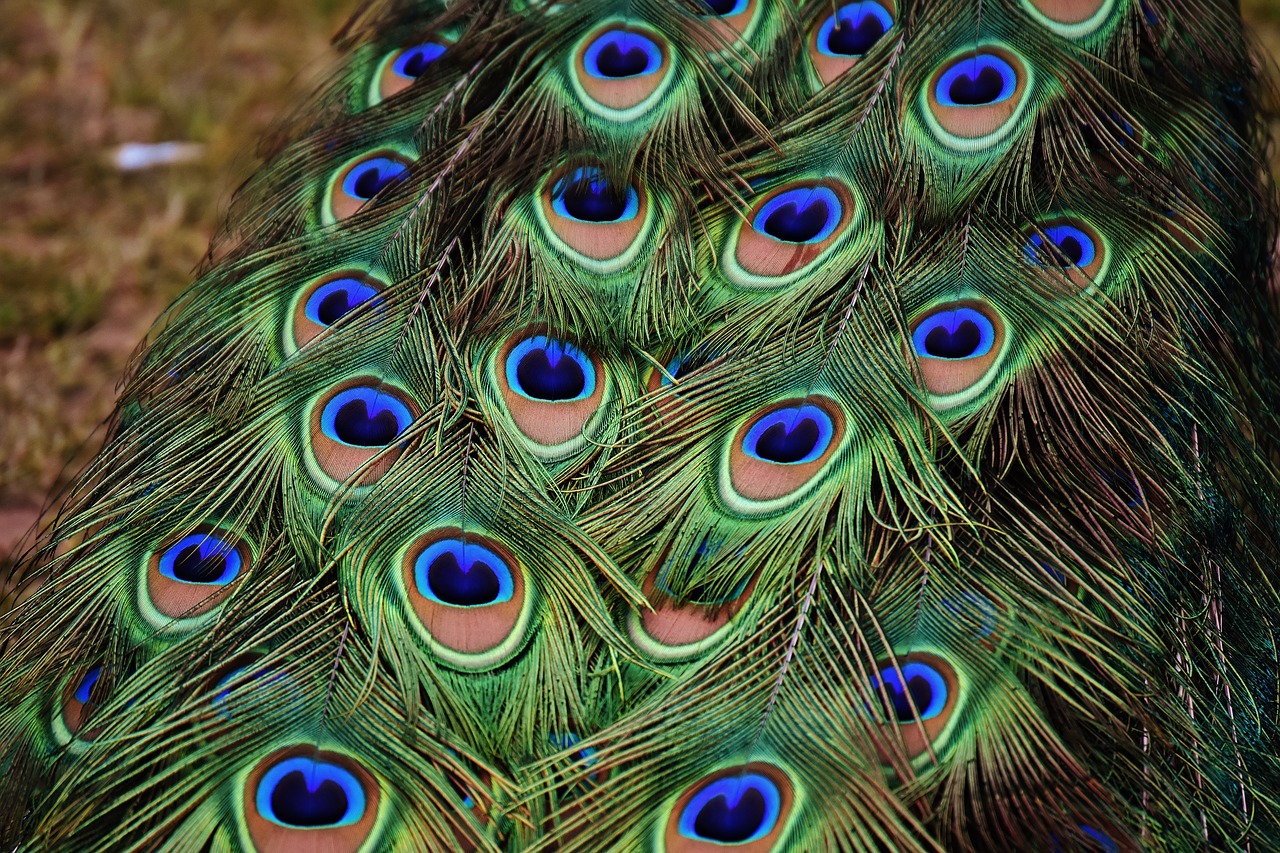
692, 425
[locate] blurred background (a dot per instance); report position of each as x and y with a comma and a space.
94, 240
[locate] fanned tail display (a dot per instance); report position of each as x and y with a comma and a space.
693, 425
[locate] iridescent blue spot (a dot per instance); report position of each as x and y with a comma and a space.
365, 417
334, 299
954, 333
588, 195
368, 177
790, 436
238, 679
925, 689
617, 54
568, 740
1058, 576
732, 810
972, 604
220, 698
853, 29
462, 574
976, 81
550, 370
1068, 247
686, 363
1104, 840
201, 558
84, 690
304, 792
726, 8
808, 214
464, 796
413, 61
704, 593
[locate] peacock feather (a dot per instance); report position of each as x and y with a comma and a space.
692, 425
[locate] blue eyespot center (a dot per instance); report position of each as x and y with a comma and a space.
84, 690
369, 177
854, 29
413, 61
618, 54
1104, 841
550, 370
732, 810
807, 214
954, 333
462, 574
790, 436
201, 558
726, 8
685, 363
333, 300
568, 740
925, 691
976, 607
310, 794
1067, 246
365, 417
587, 195
976, 81
250, 680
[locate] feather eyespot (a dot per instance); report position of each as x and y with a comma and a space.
788, 230
779, 452
462, 574
841, 39
748, 807
304, 798
620, 70
550, 371
1105, 842
919, 696
617, 54
1068, 245
678, 368
976, 81
357, 182
725, 22
245, 684
800, 215
552, 390
685, 619
354, 422
958, 346
1070, 18
468, 598
959, 333
977, 612
187, 578
588, 195
725, 8
790, 436
974, 99
593, 218
584, 757
326, 301
399, 69
82, 694
365, 417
